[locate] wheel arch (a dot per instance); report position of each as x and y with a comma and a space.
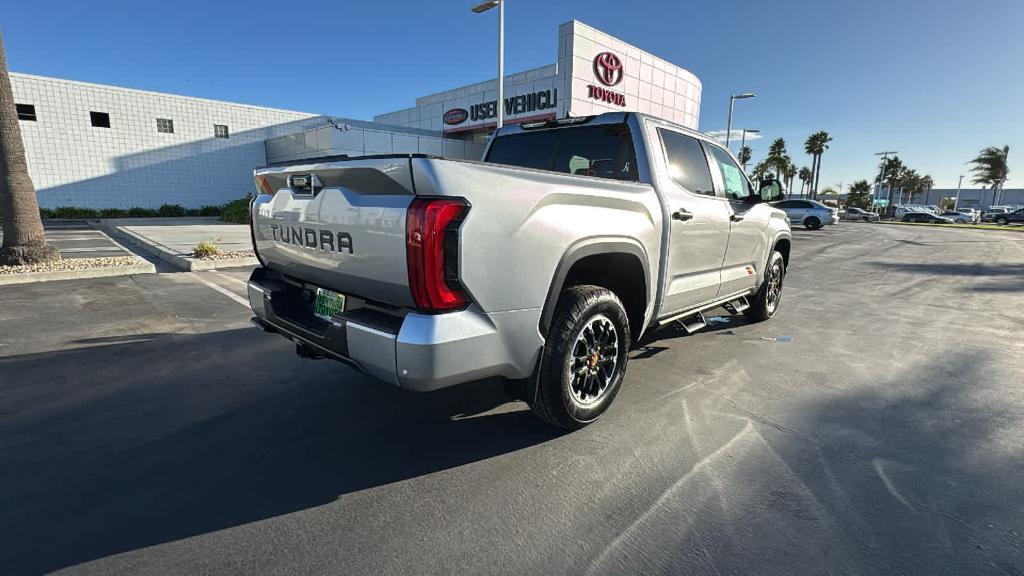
616, 263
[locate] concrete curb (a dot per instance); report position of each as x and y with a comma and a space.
985, 226
142, 267
185, 263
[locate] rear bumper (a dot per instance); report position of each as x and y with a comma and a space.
416, 351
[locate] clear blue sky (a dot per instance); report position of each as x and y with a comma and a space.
936, 80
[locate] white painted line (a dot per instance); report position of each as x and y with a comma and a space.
221, 289
231, 278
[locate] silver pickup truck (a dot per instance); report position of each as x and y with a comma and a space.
540, 264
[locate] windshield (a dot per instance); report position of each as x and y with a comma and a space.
602, 151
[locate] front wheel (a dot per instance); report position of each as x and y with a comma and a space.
584, 358
766, 301
812, 223
1002, 221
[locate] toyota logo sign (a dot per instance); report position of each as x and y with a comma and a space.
608, 68
455, 116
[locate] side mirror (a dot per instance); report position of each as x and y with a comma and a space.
771, 190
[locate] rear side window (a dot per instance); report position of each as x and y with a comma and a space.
687, 164
602, 151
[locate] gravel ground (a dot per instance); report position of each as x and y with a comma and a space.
228, 255
70, 264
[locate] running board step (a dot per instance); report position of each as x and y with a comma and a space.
736, 306
692, 323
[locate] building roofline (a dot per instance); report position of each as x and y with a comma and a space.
154, 93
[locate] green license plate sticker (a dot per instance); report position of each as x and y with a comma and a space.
328, 304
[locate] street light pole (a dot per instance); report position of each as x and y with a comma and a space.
733, 98
479, 9
956, 203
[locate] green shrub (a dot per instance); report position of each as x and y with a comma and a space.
171, 211
205, 249
46, 213
74, 213
113, 213
137, 212
209, 211
236, 211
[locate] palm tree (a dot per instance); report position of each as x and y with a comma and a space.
858, 196
24, 240
744, 156
805, 176
790, 173
816, 145
991, 168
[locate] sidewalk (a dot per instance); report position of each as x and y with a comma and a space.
172, 240
85, 253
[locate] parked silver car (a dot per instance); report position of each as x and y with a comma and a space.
808, 213
859, 214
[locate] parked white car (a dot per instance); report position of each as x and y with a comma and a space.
959, 217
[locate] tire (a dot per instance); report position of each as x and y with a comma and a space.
574, 388
1002, 221
812, 223
766, 300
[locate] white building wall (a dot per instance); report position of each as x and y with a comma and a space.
130, 164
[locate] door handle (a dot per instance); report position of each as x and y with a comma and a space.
681, 215
734, 217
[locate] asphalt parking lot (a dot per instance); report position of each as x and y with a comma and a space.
875, 426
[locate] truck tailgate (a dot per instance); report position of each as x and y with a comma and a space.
339, 224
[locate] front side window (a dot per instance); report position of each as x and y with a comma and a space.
601, 151
220, 131
165, 125
737, 187
687, 164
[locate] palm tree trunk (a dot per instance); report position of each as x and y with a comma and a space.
24, 240
817, 175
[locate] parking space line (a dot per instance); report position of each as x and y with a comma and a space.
221, 289
231, 278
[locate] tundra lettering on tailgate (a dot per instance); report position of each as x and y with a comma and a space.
312, 238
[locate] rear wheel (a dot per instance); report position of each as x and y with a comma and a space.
766, 301
812, 223
584, 358
1002, 221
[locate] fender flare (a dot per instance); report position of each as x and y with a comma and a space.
592, 247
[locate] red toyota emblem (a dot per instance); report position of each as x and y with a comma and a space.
608, 68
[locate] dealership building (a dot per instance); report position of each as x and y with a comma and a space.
97, 146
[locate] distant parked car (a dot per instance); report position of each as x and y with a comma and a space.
810, 214
1015, 216
859, 214
974, 213
925, 217
992, 212
958, 217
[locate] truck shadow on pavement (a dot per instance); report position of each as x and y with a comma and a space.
142, 440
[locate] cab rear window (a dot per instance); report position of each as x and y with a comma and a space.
601, 151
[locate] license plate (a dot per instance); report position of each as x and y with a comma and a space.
328, 304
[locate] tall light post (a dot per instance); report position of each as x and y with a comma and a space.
484, 7
956, 203
743, 142
732, 99
881, 180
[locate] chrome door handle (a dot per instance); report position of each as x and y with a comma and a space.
681, 215
734, 217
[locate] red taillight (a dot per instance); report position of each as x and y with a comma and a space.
431, 240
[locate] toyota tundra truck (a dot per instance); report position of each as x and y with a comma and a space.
540, 264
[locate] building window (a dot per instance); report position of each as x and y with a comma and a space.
99, 119
26, 112
165, 125
220, 131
